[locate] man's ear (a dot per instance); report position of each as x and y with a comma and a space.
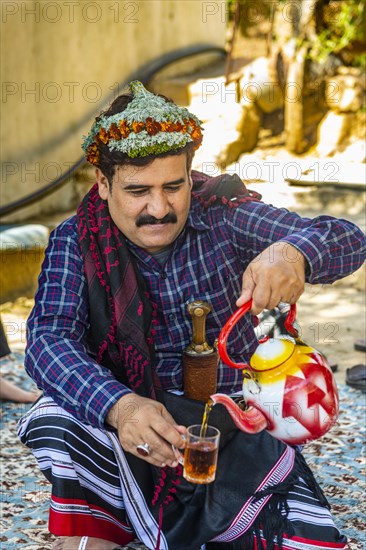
190, 179
103, 184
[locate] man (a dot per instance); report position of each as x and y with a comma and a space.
106, 336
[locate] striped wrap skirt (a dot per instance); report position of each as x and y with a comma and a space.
100, 491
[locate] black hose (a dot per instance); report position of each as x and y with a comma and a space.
144, 74
43, 192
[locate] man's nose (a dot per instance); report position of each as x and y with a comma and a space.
158, 206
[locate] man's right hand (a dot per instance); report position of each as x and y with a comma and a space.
140, 420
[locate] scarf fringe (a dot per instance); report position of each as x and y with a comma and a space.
300, 470
272, 523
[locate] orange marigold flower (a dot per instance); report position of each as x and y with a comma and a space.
92, 155
114, 132
185, 127
93, 160
123, 128
103, 135
169, 127
93, 149
137, 127
178, 127
196, 133
152, 126
197, 140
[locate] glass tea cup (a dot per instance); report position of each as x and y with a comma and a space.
200, 454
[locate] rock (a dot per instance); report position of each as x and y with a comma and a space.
247, 134
335, 132
259, 85
354, 71
355, 152
343, 93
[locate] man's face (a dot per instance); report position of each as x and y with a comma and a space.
149, 204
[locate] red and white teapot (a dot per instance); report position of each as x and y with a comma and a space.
288, 387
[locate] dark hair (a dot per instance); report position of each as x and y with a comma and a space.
108, 160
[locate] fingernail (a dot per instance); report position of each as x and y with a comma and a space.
174, 464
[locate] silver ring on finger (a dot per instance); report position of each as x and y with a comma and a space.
144, 449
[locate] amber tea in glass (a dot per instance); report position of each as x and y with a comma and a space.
200, 454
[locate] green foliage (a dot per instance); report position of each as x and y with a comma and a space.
360, 60
342, 31
340, 26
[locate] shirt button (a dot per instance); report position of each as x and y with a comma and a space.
163, 275
172, 317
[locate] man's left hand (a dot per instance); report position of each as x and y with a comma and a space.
276, 275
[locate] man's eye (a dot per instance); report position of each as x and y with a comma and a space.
138, 192
172, 188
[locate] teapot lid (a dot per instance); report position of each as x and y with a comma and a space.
271, 354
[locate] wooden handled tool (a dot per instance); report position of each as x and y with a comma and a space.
199, 358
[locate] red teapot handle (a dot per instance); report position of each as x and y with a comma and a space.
238, 314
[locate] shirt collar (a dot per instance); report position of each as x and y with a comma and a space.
195, 218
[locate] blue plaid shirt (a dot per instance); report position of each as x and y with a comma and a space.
206, 263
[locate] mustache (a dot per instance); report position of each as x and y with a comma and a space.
145, 219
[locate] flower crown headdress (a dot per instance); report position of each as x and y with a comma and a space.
149, 125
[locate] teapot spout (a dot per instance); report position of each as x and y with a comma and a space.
250, 421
